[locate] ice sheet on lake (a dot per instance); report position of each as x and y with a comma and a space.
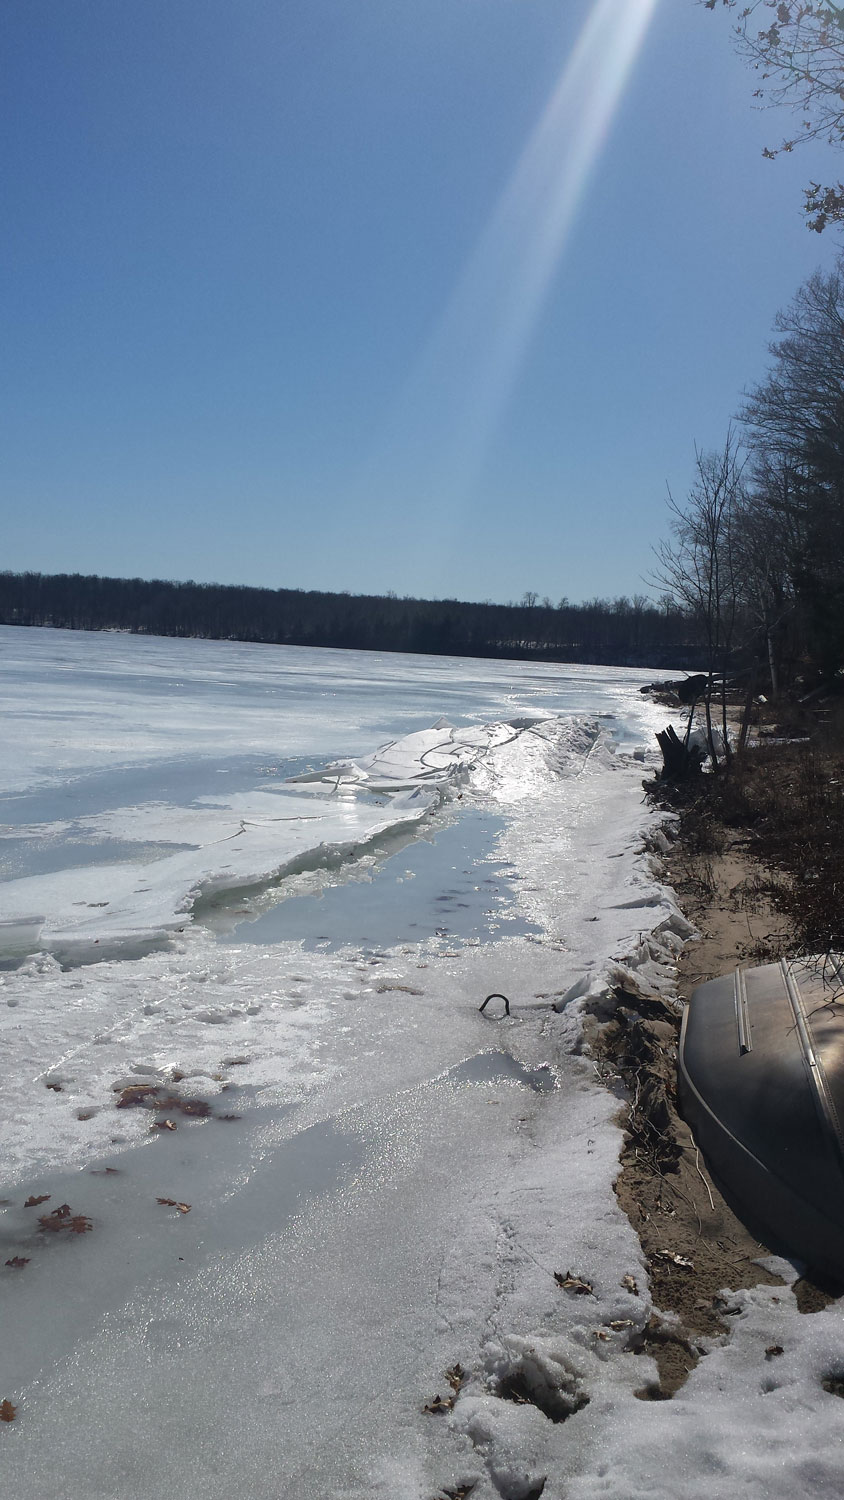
431, 757
132, 907
78, 704
91, 911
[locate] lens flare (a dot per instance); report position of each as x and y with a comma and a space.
466, 374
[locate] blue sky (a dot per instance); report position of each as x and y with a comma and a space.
303, 293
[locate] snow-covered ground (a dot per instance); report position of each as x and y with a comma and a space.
388, 1181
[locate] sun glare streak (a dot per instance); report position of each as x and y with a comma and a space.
468, 370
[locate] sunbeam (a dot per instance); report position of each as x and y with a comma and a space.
466, 373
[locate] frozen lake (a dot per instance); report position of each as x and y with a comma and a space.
252, 899
143, 779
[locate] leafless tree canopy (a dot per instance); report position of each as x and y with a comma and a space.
698, 566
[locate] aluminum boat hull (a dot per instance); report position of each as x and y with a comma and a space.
761, 1083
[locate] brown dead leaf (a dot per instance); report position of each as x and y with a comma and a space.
35, 1199
455, 1376
573, 1283
770, 1353
630, 1285
18, 1261
63, 1217
195, 1108
153, 1096
8, 1412
438, 1405
184, 1208
162, 1102
164, 1125
137, 1094
682, 1261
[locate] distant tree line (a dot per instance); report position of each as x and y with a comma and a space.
632, 632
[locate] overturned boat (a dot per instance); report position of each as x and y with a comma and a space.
761, 1083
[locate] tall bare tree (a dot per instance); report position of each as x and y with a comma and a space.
794, 422
699, 566
770, 535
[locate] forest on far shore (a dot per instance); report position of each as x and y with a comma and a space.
618, 632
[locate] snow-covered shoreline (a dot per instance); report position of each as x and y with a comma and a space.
377, 1058
378, 1195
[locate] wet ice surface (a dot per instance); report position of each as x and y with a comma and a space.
237, 1196
20, 857
500, 1067
408, 1174
444, 884
184, 783
239, 1187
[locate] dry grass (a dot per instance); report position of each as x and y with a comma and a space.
786, 804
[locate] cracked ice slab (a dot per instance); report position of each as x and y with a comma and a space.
85, 913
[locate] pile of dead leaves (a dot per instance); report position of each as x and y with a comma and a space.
153, 1096
63, 1219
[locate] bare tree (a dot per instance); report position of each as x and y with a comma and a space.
794, 422
798, 411
698, 567
769, 538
